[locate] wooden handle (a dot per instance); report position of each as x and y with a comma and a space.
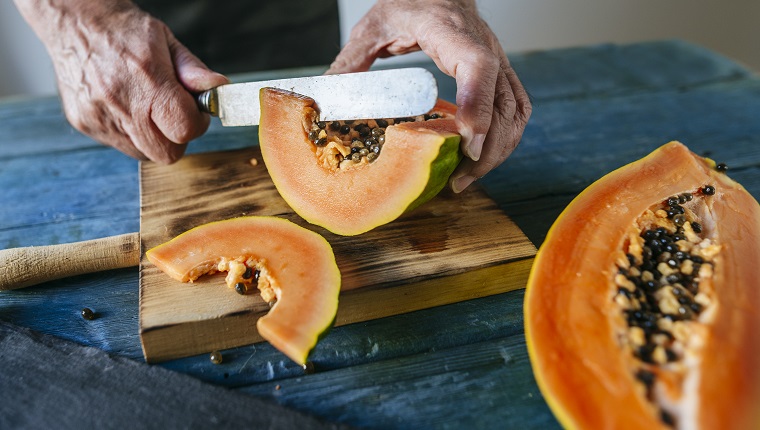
23, 267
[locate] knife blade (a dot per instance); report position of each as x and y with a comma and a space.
389, 93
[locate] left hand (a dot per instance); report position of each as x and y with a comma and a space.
493, 107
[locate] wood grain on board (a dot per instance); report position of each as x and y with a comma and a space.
453, 248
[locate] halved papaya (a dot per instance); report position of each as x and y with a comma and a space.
642, 309
293, 268
352, 176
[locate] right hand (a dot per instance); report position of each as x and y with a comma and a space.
123, 77
493, 105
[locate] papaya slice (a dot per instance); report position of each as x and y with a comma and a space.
642, 309
352, 176
293, 268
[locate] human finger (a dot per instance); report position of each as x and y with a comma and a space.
192, 73
175, 113
512, 110
361, 49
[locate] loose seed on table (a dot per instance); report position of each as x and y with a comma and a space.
88, 314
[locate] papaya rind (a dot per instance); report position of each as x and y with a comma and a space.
340, 201
730, 401
562, 415
320, 328
441, 169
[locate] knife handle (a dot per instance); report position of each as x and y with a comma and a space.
23, 267
208, 102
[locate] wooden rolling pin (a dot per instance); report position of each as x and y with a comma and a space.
24, 267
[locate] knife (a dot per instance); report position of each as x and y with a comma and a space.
389, 93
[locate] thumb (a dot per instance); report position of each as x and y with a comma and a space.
191, 72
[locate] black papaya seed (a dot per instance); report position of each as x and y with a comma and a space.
88, 314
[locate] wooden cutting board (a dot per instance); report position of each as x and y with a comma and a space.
453, 248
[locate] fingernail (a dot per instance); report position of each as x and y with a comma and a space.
459, 184
475, 146
223, 77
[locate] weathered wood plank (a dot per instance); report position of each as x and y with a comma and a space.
481, 385
418, 332
571, 143
55, 308
37, 127
67, 197
610, 69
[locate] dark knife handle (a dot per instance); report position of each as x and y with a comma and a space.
208, 102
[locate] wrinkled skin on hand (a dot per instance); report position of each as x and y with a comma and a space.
123, 78
493, 105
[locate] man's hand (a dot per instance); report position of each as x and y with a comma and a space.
123, 78
493, 105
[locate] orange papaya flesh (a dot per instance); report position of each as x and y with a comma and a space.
352, 176
642, 308
294, 269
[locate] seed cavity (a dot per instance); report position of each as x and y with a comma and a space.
659, 288
245, 275
343, 144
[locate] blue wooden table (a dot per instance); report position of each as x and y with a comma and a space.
463, 365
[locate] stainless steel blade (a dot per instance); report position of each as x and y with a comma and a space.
376, 94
